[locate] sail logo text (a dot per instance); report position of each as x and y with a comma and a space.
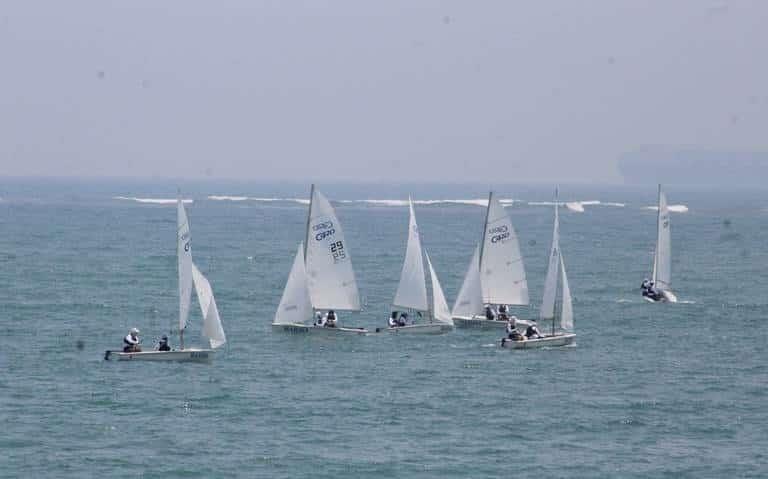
324, 234
499, 233
322, 226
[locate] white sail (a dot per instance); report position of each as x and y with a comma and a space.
212, 328
566, 312
330, 276
662, 261
470, 299
412, 290
440, 309
502, 273
184, 255
295, 306
550, 283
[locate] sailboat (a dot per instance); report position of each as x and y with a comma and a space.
562, 335
496, 274
662, 257
189, 277
321, 278
411, 292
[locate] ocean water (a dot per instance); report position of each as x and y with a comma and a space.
648, 390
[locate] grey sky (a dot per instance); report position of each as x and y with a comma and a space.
386, 90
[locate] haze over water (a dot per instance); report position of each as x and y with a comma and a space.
676, 390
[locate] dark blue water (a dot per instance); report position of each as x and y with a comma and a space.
649, 390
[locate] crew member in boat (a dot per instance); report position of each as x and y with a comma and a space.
646, 285
393, 322
532, 332
330, 319
652, 292
319, 319
131, 341
163, 344
403, 319
490, 314
512, 332
503, 313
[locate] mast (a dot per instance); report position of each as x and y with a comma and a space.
557, 283
485, 227
181, 330
306, 235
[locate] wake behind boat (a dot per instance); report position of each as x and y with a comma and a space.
495, 276
321, 278
189, 276
411, 296
564, 336
659, 288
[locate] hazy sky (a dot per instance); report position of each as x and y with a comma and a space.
415, 90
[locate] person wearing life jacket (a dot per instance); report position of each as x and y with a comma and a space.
646, 287
653, 293
403, 319
330, 319
512, 332
163, 344
503, 313
490, 314
319, 321
532, 332
131, 342
392, 321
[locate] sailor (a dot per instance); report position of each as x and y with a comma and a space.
403, 319
646, 284
512, 332
652, 292
163, 344
393, 320
532, 332
132, 341
490, 314
330, 319
503, 312
319, 320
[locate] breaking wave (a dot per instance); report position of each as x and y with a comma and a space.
154, 201
672, 208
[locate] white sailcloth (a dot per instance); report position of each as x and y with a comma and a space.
502, 273
295, 305
550, 283
566, 312
184, 255
212, 328
330, 276
470, 299
662, 262
440, 309
412, 290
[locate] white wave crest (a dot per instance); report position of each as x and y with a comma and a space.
154, 201
227, 198
672, 208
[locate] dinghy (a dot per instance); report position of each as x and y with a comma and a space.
411, 295
662, 257
189, 276
555, 271
321, 278
496, 274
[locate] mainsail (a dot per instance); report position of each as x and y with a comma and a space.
184, 256
662, 263
212, 328
470, 299
412, 289
502, 273
295, 305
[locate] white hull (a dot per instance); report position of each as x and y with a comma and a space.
309, 329
432, 328
185, 355
559, 339
668, 297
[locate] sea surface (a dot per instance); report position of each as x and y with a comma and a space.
665, 390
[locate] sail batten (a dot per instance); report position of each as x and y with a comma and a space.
412, 289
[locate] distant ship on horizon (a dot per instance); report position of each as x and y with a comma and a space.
689, 166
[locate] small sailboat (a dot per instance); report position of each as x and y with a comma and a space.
496, 273
189, 277
562, 335
411, 295
662, 258
321, 278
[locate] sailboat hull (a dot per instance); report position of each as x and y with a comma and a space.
309, 329
184, 355
433, 328
545, 342
666, 297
